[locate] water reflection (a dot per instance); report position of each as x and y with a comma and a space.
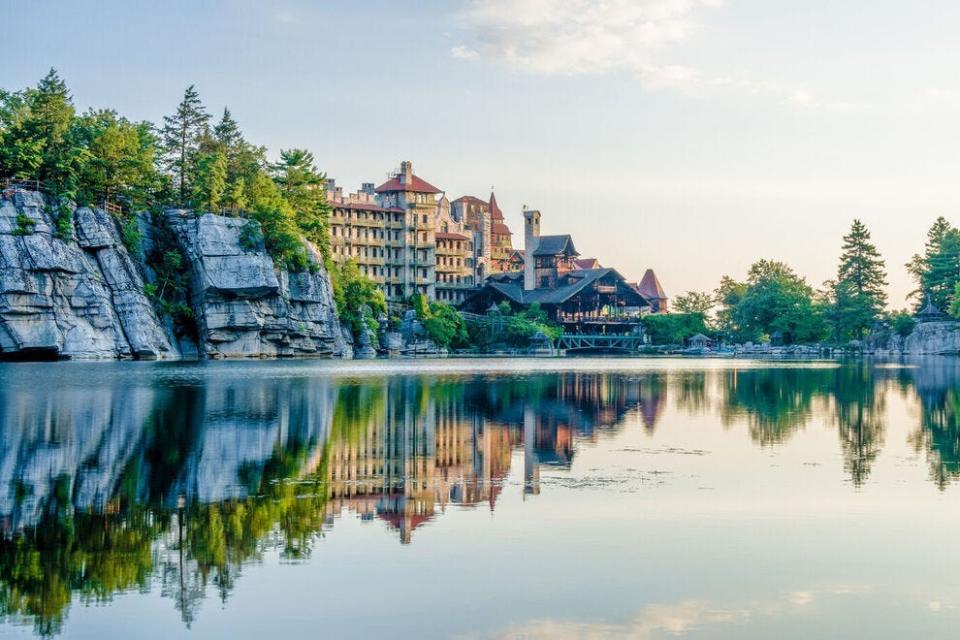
135, 485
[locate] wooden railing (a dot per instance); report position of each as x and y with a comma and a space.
22, 183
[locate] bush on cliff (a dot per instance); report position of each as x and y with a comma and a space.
902, 323
358, 298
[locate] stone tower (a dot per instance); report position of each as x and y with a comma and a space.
531, 240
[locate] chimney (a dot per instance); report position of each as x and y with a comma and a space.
406, 172
531, 240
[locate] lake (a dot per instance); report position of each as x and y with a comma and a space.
540, 498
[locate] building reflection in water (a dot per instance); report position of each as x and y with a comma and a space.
177, 486
419, 445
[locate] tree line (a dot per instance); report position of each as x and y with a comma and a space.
774, 303
191, 160
188, 161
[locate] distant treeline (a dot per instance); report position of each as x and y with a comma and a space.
776, 304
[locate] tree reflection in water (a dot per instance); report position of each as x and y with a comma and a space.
178, 487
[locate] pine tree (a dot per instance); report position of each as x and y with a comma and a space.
942, 274
182, 134
36, 141
303, 188
919, 266
210, 183
227, 132
859, 293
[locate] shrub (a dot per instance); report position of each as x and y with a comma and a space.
444, 325
130, 233
674, 328
25, 225
902, 323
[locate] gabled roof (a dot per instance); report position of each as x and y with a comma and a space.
555, 246
511, 285
417, 185
650, 287
587, 263
470, 199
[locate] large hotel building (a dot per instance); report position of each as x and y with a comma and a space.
409, 238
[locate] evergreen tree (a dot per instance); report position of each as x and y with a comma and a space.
182, 135
303, 187
920, 265
210, 183
942, 274
227, 132
859, 296
36, 141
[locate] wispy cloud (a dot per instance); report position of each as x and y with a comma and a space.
570, 37
642, 38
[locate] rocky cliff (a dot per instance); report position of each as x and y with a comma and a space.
927, 338
246, 308
84, 297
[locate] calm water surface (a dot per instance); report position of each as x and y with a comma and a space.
478, 498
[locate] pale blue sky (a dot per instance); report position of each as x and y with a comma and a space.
691, 136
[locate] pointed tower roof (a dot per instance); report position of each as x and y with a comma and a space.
650, 287
495, 214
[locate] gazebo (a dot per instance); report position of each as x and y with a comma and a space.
931, 313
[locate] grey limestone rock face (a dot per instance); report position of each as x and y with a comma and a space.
246, 308
82, 298
85, 297
927, 338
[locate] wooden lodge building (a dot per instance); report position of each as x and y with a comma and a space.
592, 300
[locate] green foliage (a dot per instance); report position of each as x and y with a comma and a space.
857, 299
170, 290
120, 161
903, 323
302, 186
937, 270
132, 237
209, 182
181, 136
63, 224
250, 236
25, 224
359, 300
35, 135
674, 328
772, 300
280, 233
695, 302
444, 325
515, 329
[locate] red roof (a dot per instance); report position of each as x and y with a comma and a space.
495, 214
500, 229
442, 235
417, 185
587, 263
470, 199
650, 287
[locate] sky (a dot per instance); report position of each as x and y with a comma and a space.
689, 136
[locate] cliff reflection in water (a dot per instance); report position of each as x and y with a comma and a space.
177, 486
